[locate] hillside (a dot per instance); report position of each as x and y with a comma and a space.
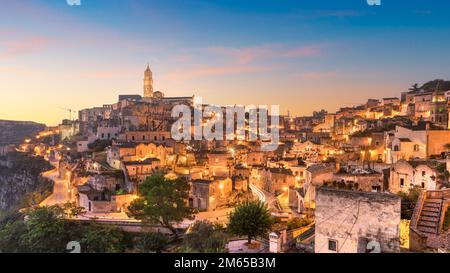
21, 183
14, 132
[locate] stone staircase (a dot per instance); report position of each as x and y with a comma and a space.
430, 216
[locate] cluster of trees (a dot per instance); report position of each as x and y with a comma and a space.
47, 230
440, 85
204, 237
162, 201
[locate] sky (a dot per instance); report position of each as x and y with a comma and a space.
303, 55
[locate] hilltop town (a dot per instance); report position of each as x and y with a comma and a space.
367, 178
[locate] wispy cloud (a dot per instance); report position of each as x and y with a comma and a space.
246, 55
203, 71
240, 60
13, 48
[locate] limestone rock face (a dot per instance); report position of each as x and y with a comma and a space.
13, 188
21, 183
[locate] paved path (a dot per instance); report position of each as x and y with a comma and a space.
268, 198
61, 194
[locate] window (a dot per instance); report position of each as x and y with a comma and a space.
332, 245
402, 182
376, 188
416, 148
396, 148
423, 185
424, 173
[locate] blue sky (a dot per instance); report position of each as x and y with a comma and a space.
302, 55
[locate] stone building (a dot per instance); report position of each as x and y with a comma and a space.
145, 136
418, 142
138, 171
365, 180
137, 152
405, 175
356, 222
208, 195
220, 163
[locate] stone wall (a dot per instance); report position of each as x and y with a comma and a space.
352, 219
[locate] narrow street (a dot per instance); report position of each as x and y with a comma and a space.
265, 197
61, 194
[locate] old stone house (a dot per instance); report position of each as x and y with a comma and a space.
356, 222
208, 195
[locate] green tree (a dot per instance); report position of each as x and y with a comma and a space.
204, 237
250, 219
12, 228
152, 242
96, 238
440, 85
414, 88
162, 201
47, 230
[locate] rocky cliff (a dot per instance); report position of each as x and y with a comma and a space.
21, 184
14, 132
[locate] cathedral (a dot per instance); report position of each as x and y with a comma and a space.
152, 96
148, 86
148, 83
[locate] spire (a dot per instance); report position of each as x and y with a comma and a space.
148, 82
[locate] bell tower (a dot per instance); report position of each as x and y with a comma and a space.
148, 83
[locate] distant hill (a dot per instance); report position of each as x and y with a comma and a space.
14, 132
